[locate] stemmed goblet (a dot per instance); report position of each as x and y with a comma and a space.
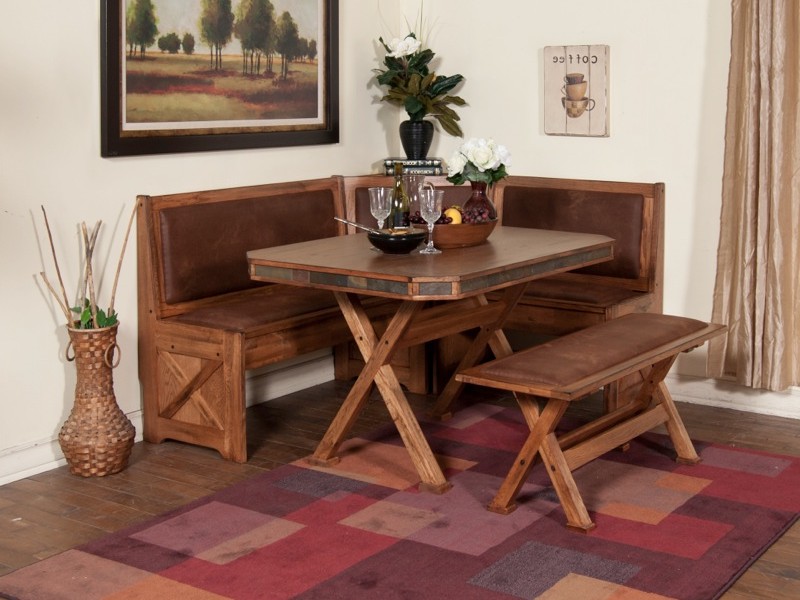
430, 208
380, 203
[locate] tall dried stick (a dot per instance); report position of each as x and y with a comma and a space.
89, 243
119, 263
64, 307
55, 261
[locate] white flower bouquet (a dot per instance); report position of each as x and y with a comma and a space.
478, 159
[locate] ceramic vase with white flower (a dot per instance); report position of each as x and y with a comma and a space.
482, 162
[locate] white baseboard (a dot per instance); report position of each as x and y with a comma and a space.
727, 394
262, 385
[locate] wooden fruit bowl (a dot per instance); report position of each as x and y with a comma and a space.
462, 235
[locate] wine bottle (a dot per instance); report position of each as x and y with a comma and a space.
398, 217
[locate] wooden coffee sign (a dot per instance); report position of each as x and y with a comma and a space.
576, 90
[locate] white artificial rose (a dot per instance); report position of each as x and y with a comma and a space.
457, 163
482, 156
503, 155
405, 47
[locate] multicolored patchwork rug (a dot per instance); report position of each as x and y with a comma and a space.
362, 530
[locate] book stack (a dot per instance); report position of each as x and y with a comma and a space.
422, 166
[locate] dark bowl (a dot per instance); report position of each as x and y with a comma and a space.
397, 243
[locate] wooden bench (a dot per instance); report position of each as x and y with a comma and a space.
569, 368
202, 321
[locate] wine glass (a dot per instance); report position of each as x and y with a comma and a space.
380, 203
430, 207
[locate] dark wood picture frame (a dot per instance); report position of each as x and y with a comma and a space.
115, 141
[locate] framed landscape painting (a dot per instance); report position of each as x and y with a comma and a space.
202, 75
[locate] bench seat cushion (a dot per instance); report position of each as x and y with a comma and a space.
565, 360
271, 308
264, 309
550, 290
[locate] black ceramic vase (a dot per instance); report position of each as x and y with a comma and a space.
416, 137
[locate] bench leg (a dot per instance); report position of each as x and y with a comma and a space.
234, 434
675, 427
198, 396
655, 391
545, 425
567, 490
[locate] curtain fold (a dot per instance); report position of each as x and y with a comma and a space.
757, 288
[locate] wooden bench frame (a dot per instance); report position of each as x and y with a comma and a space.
562, 455
193, 375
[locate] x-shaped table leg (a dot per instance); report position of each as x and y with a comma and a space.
377, 355
491, 335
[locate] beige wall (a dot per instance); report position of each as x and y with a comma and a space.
668, 77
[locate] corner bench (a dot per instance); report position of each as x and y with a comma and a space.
569, 368
203, 322
631, 213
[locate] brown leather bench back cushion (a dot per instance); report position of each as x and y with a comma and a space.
616, 215
204, 245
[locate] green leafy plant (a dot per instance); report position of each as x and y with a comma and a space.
85, 314
414, 87
87, 320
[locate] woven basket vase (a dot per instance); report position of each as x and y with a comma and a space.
97, 437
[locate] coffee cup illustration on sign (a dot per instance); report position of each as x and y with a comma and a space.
574, 100
573, 77
575, 108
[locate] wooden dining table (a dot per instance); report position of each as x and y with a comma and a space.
438, 294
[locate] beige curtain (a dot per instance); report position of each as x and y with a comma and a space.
757, 290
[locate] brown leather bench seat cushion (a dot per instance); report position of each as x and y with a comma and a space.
555, 290
271, 308
563, 361
269, 305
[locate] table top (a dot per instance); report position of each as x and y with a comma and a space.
510, 256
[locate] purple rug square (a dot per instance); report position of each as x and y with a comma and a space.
463, 524
405, 571
534, 568
202, 528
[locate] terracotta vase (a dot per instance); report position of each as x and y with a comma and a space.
416, 137
97, 437
478, 208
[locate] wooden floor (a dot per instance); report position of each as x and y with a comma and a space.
53, 511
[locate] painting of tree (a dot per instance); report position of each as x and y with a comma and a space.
222, 66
